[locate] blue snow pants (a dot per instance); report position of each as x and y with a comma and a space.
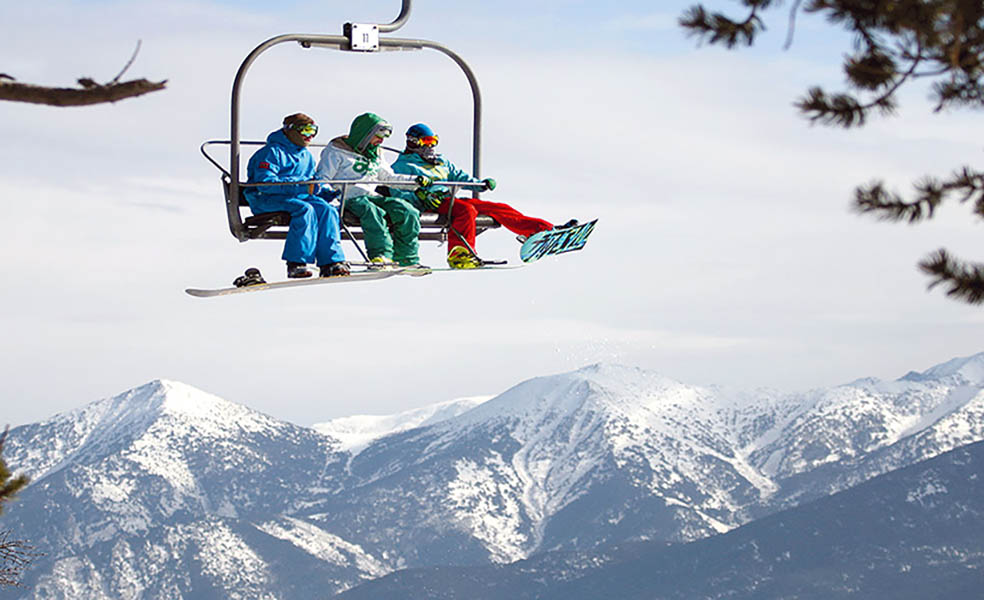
313, 236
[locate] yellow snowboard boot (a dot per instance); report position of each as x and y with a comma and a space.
461, 258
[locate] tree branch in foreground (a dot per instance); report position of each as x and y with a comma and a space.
964, 281
9, 485
15, 556
90, 92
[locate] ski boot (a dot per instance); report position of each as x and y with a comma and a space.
297, 271
381, 263
339, 269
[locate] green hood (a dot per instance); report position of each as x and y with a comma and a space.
361, 131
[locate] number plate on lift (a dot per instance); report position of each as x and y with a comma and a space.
365, 37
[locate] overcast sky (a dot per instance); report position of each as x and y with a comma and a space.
725, 251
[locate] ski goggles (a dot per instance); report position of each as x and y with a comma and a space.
427, 140
383, 130
307, 130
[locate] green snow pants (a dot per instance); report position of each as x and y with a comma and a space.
402, 246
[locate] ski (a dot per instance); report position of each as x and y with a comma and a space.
556, 241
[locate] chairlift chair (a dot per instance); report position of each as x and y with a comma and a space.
358, 38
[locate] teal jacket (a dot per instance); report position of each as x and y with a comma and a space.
409, 163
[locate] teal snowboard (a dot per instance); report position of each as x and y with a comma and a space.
556, 241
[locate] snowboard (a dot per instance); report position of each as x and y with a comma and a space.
275, 285
488, 267
556, 241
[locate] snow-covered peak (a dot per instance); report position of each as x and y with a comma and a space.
135, 410
105, 426
625, 381
966, 370
209, 414
600, 388
604, 383
358, 431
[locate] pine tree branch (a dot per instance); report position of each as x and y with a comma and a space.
716, 28
939, 39
971, 183
838, 109
930, 193
957, 92
964, 281
890, 206
871, 70
8, 487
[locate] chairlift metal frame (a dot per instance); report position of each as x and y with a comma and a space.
359, 38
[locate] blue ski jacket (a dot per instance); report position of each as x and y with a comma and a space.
281, 160
410, 163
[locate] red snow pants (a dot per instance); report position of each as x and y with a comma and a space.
466, 209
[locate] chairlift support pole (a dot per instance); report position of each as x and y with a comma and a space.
358, 38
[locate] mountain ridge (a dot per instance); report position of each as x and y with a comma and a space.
606, 454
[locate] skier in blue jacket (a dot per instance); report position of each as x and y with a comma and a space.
313, 235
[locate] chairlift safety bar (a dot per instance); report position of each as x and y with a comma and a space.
476, 185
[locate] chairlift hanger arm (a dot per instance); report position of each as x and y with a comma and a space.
371, 43
400, 21
356, 31
341, 43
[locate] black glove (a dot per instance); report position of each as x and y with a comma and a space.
383, 190
489, 184
328, 194
423, 180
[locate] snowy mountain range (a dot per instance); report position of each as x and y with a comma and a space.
169, 492
911, 534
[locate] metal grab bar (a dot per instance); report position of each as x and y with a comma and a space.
456, 184
211, 159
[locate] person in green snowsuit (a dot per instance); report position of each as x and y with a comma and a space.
358, 156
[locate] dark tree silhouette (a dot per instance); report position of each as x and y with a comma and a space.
88, 92
895, 42
15, 555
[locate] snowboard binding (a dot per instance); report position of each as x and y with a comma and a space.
250, 277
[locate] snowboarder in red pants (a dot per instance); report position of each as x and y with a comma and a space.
421, 158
